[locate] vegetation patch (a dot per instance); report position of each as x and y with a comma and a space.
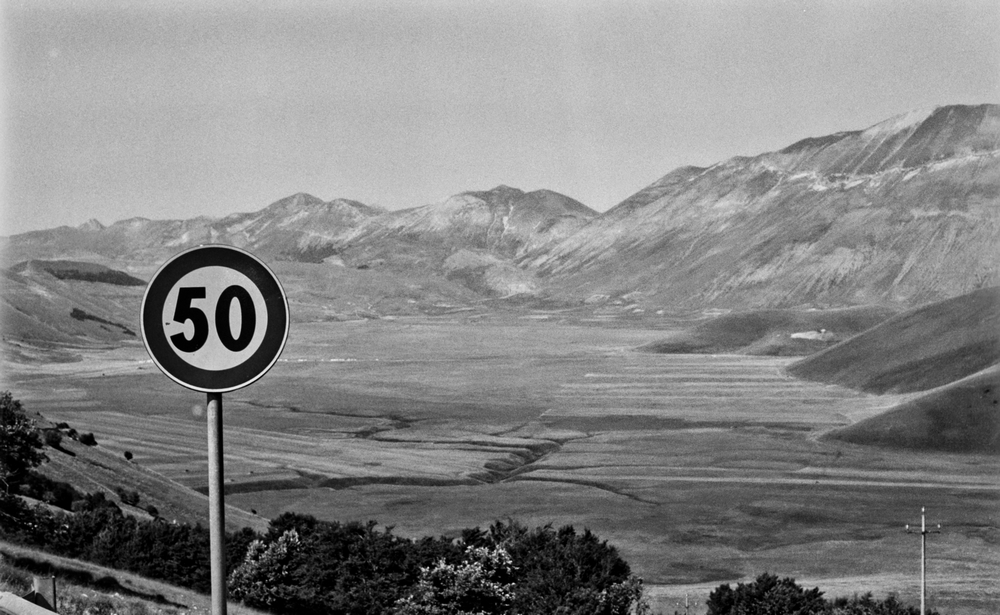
80, 271
79, 314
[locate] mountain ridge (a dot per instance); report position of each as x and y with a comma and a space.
851, 218
901, 213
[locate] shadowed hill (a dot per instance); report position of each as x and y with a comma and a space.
918, 350
963, 416
772, 332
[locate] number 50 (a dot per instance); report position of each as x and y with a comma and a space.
184, 312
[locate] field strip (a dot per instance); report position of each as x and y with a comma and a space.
636, 481
730, 399
689, 384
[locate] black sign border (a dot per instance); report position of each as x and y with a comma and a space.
165, 356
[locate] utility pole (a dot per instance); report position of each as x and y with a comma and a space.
923, 555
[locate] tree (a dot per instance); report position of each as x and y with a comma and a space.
264, 579
766, 595
480, 585
20, 444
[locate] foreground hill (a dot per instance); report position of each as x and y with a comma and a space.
918, 350
962, 416
949, 351
904, 212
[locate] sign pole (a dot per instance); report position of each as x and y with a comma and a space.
216, 504
214, 319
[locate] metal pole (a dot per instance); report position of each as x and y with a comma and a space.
216, 504
923, 560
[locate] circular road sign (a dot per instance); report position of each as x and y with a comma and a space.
214, 318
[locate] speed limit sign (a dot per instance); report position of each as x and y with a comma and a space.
214, 318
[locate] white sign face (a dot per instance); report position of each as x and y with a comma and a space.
214, 318
214, 334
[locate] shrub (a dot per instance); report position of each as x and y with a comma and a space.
128, 455
88, 439
128, 497
53, 438
767, 594
152, 510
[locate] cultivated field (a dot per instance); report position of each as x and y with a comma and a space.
702, 469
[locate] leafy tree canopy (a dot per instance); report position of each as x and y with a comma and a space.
20, 443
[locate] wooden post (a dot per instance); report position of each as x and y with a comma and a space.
216, 504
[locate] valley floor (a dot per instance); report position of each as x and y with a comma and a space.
701, 469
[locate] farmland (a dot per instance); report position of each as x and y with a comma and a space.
702, 469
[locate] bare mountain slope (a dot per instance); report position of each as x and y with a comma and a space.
291, 227
905, 212
504, 221
471, 237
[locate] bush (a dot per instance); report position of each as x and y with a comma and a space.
128, 455
128, 497
152, 510
53, 438
767, 594
88, 439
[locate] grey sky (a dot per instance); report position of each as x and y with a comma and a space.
175, 109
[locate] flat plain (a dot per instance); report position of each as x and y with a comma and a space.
701, 469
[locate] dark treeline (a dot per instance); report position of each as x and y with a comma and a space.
347, 568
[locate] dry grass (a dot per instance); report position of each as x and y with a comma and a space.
88, 589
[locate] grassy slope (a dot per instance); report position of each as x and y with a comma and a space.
93, 469
918, 350
768, 332
963, 416
76, 578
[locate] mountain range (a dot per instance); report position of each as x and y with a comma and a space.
901, 213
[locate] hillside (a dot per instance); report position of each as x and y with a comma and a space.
917, 350
94, 469
59, 304
771, 332
901, 213
962, 416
